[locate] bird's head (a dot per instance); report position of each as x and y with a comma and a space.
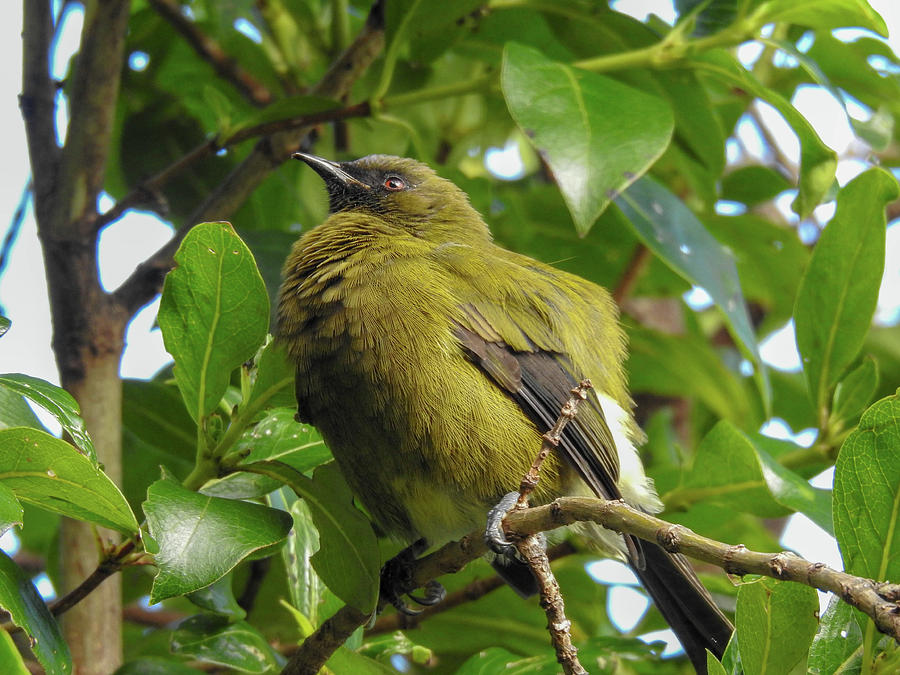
401, 191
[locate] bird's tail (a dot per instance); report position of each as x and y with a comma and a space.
685, 604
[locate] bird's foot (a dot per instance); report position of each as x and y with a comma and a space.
494, 536
396, 581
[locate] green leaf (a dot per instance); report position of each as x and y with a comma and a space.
713, 665
839, 291
753, 185
286, 108
854, 392
867, 494
10, 509
672, 232
837, 647
274, 383
305, 586
658, 362
219, 598
9, 654
202, 538
770, 261
431, 27
597, 134
775, 623
212, 639
28, 611
48, 472
278, 436
345, 660
348, 560
155, 413
731, 469
58, 402
817, 161
214, 313
15, 411
155, 665
824, 14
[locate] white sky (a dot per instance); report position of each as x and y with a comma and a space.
26, 347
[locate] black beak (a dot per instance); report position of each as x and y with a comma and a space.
331, 172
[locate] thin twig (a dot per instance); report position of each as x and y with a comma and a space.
113, 561
551, 441
532, 549
534, 552
210, 51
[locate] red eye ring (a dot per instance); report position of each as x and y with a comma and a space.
394, 183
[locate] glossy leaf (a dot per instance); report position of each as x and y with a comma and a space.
277, 437
55, 400
671, 230
15, 411
155, 413
219, 598
348, 560
837, 647
713, 665
817, 161
775, 623
347, 661
753, 185
855, 392
10, 656
839, 291
28, 611
867, 494
212, 639
598, 135
202, 538
48, 472
10, 509
825, 14
274, 383
213, 315
4, 325
729, 468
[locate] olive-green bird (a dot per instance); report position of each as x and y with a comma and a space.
432, 360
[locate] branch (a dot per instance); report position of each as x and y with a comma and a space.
471, 592
209, 50
114, 560
93, 93
879, 600
37, 102
268, 154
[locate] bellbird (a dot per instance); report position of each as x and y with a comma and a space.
432, 360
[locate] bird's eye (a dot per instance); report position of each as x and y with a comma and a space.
394, 183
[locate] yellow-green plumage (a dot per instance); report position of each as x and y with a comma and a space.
427, 355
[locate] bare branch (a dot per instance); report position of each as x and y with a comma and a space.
210, 51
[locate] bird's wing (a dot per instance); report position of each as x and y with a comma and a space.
516, 347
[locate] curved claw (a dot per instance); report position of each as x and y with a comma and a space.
494, 536
434, 594
396, 579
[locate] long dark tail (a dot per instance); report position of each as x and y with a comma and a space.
685, 604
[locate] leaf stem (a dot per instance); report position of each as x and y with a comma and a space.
390, 57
